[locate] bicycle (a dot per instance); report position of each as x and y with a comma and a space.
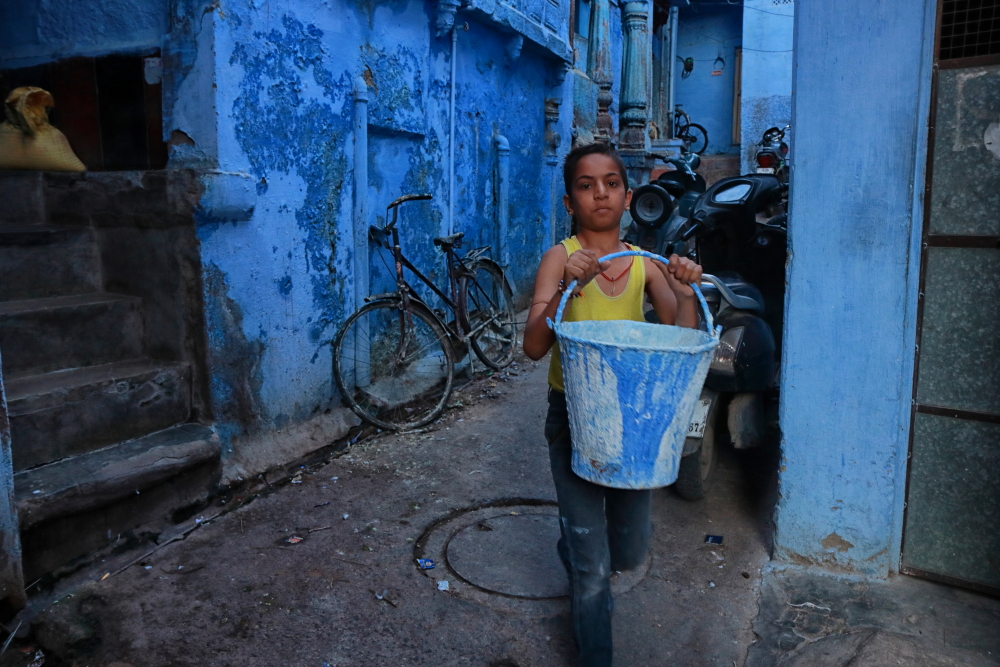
394, 359
694, 136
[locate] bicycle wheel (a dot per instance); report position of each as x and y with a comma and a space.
487, 308
393, 368
697, 138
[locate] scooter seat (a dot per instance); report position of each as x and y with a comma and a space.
741, 288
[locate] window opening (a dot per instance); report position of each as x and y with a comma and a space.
969, 28
110, 108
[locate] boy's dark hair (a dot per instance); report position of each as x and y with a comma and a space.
596, 148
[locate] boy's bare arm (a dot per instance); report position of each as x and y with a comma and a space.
581, 266
660, 296
670, 293
538, 338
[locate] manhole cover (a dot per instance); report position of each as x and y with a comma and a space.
502, 554
513, 555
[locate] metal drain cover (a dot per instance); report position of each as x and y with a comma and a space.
512, 555
502, 555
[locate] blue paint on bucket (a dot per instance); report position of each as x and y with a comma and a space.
631, 388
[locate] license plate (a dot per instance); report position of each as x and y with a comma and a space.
696, 429
765, 170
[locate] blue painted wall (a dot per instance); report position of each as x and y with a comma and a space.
266, 93
258, 96
704, 33
767, 73
852, 280
36, 31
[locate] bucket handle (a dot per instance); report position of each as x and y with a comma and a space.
709, 323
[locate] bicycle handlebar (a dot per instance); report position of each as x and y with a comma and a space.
395, 207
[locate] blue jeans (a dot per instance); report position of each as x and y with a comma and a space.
603, 530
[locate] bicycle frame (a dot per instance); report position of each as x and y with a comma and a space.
404, 287
455, 266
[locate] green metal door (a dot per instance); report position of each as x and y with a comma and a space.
952, 524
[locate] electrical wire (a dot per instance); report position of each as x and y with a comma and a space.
728, 39
737, 4
720, 41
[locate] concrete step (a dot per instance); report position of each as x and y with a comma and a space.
89, 481
41, 335
37, 262
66, 413
22, 198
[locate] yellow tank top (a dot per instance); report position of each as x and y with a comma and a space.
596, 305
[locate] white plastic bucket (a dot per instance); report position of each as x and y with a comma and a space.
631, 388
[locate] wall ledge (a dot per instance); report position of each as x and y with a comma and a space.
510, 19
256, 454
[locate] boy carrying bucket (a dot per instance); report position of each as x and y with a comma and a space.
603, 529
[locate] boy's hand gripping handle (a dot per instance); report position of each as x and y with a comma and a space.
709, 323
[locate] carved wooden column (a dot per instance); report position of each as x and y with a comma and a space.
552, 138
599, 65
636, 60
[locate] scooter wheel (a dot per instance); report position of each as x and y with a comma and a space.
697, 470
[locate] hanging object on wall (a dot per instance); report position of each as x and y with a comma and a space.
28, 141
718, 66
688, 66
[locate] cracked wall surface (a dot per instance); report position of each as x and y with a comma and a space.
258, 103
264, 92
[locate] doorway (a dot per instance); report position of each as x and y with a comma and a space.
952, 520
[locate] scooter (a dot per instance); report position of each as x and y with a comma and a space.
744, 257
661, 207
772, 156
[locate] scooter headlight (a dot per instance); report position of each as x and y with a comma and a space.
724, 359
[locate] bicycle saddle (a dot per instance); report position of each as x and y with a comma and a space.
448, 241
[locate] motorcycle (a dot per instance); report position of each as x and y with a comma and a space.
772, 156
736, 229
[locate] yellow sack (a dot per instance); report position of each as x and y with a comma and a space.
27, 141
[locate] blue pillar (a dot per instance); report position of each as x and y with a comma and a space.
862, 71
636, 62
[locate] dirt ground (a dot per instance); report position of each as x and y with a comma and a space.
238, 591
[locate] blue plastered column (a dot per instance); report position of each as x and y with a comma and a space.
860, 105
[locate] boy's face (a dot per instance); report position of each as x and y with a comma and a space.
598, 197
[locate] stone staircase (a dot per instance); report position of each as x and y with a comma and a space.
95, 422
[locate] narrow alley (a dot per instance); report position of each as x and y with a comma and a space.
281, 282
295, 577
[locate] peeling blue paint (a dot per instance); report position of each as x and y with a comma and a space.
395, 82
236, 377
263, 94
282, 127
